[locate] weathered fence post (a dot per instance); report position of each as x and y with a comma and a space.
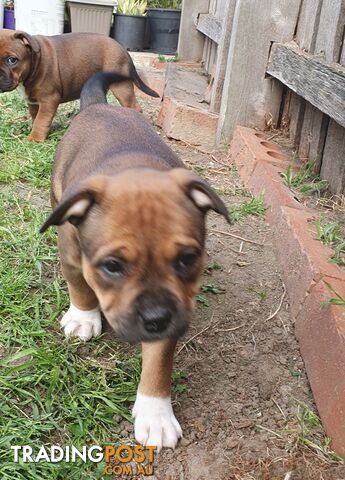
249, 97
191, 42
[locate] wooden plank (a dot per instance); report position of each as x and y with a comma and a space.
222, 56
333, 164
212, 7
313, 134
330, 38
342, 55
331, 30
305, 37
296, 114
320, 24
320, 83
206, 54
308, 23
248, 95
210, 26
191, 42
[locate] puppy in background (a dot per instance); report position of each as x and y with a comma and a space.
131, 237
52, 70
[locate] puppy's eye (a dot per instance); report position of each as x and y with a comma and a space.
113, 267
12, 61
186, 261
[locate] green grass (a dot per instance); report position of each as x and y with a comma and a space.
214, 266
336, 300
330, 233
179, 381
202, 299
259, 292
254, 206
311, 434
201, 171
164, 59
52, 390
21, 160
304, 180
206, 288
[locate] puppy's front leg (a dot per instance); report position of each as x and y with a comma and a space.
155, 422
83, 318
33, 109
43, 120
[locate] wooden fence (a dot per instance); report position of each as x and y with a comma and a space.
313, 69
274, 63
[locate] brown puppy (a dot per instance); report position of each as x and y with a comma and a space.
53, 70
131, 239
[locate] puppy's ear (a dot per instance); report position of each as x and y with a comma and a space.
75, 207
200, 192
28, 40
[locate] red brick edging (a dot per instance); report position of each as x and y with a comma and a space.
305, 268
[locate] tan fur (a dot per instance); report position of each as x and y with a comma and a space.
157, 368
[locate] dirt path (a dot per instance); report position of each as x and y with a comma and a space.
247, 409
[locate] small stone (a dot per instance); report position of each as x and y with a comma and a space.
231, 443
184, 442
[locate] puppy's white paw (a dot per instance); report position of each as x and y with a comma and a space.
155, 423
82, 323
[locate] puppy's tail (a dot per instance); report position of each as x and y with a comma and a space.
138, 81
95, 89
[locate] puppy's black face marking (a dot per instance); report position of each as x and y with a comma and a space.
7, 80
155, 315
186, 263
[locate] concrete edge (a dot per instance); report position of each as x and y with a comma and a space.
305, 268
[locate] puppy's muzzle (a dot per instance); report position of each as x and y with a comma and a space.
157, 311
155, 319
6, 82
155, 315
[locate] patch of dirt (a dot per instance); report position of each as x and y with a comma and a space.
246, 378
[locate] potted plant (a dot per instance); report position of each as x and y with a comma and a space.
130, 23
164, 18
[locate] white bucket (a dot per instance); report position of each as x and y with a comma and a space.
39, 17
1, 13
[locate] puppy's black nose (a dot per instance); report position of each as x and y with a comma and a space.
156, 319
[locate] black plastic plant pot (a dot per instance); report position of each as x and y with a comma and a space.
129, 30
164, 28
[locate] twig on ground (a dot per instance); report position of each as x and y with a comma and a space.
220, 163
279, 306
235, 251
272, 136
218, 172
236, 236
254, 342
279, 407
211, 324
268, 430
273, 314
230, 329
